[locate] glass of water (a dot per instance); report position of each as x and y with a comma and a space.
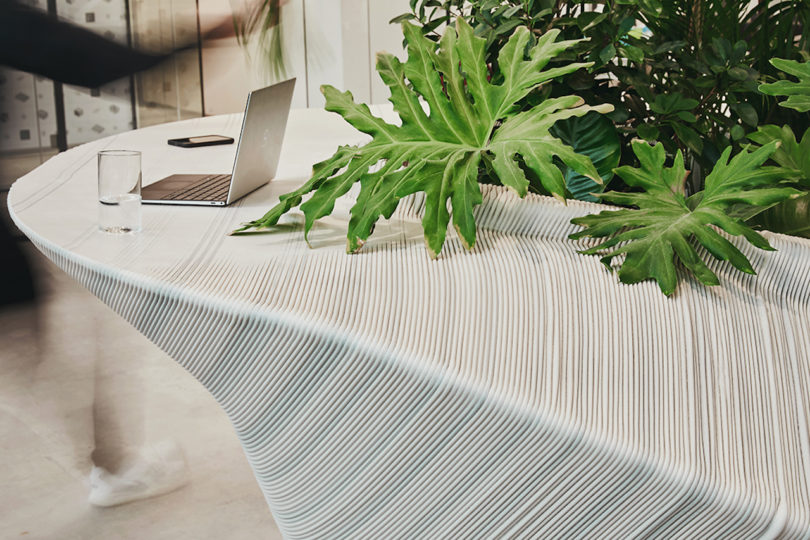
119, 191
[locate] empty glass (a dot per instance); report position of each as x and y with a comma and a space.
119, 191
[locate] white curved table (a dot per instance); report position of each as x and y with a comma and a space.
514, 391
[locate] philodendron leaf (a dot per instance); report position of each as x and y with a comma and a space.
792, 154
439, 152
788, 217
798, 92
791, 216
665, 225
594, 136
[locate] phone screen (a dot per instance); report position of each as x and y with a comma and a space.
206, 139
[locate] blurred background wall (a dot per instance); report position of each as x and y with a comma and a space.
322, 41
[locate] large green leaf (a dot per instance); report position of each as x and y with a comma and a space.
793, 215
592, 135
788, 217
666, 225
438, 153
791, 154
798, 92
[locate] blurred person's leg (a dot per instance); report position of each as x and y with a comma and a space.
47, 369
127, 464
71, 373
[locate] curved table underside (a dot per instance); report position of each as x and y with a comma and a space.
514, 391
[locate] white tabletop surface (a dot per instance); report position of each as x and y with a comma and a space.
679, 416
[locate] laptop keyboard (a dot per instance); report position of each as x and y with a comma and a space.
210, 188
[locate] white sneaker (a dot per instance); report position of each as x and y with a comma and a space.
158, 470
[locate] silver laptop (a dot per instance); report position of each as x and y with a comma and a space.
257, 156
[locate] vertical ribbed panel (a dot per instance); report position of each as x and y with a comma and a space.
514, 391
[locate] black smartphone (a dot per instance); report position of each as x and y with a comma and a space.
202, 140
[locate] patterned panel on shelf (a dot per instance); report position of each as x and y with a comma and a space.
27, 119
94, 113
46, 112
27, 107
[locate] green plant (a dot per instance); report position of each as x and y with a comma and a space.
592, 135
791, 216
693, 77
473, 119
666, 224
798, 92
681, 72
793, 155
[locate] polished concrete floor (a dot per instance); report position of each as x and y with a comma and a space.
79, 386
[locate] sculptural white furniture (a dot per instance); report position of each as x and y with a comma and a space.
515, 391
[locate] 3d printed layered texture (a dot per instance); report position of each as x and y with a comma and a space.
515, 391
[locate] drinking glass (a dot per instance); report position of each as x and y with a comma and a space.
119, 191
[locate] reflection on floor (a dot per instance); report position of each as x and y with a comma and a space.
76, 381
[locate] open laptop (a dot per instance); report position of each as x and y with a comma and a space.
257, 156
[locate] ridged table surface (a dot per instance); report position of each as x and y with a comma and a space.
517, 390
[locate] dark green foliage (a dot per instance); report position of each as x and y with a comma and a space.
791, 216
591, 135
682, 72
699, 79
